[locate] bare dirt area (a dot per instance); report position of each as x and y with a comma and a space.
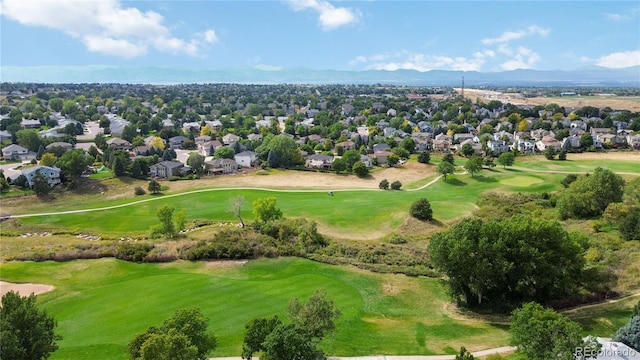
626, 156
24, 289
631, 103
292, 179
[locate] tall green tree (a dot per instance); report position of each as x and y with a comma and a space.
474, 164
264, 209
196, 162
590, 195
629, 334
503, 262
224, 152
27, 332
184, 335
154, 186
40, 184
297, 339
506, 159
543, 334
74, 162
445, 168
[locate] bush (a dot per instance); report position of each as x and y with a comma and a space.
421, 210
384, 184
396, 185
139, 190
424, 157
133, 251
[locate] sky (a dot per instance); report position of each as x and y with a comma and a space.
486, 36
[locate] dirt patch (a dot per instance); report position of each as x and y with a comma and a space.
631, 103
24, 289
225, 264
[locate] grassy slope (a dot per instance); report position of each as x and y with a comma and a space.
100, 305
348, 212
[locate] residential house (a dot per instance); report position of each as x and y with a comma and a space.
230, 139
389, 131
381, 157
525, 146
254, 137
214, 125
60, 144
442, 143
51, 174
191, 126
346, 145
246, 158
119, 144
381, 147
392, 112
5, 135
208, 148
366, 160
317, 161
30, 123
348, 110
548, 141
221, 166
167, 169
202, 139
176, 142
16, 152
142, 150
458, 138
634, 141
573, 142
498, 146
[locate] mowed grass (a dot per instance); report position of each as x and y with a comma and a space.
347, 212
100, 305
539, 163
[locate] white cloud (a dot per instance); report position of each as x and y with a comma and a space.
622, 17
620, 59
106, 26
509, 36
421, 62
329, 16
523, 58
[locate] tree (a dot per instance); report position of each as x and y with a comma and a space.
421, 210
350, 157
298, 339
74, 162
264, 209
285, 151
474, 164
26, 331
396, 185
408, 144
384, 184
629, 334
360, 169
118, 166
424, 157
550, 153
506, 159
157, 143
467, 150
586, 140
196, 162
154, 187
562, 155
590, 195
183, 336
224, 152
30, 139
393, 159
339, 165
448, 157
445, 168
40, 184
235, 207
543, 334
48, 159
167, 227
464, 354
495, 262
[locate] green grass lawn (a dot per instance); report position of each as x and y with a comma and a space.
539, 163
350, 212
101, 304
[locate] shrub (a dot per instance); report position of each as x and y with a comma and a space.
421, 209
424, 157
133, 251
384, 184
396, 185
139, 190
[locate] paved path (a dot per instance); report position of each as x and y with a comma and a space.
207, 190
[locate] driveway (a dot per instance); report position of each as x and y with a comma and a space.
91, 129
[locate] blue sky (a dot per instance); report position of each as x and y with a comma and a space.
483, 36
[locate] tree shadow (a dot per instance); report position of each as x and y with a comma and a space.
485, 179
455, 182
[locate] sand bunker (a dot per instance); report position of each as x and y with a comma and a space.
24, 289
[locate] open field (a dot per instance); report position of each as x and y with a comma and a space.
631, 103
347, 214
101, 304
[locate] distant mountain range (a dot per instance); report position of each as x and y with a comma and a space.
593, 76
